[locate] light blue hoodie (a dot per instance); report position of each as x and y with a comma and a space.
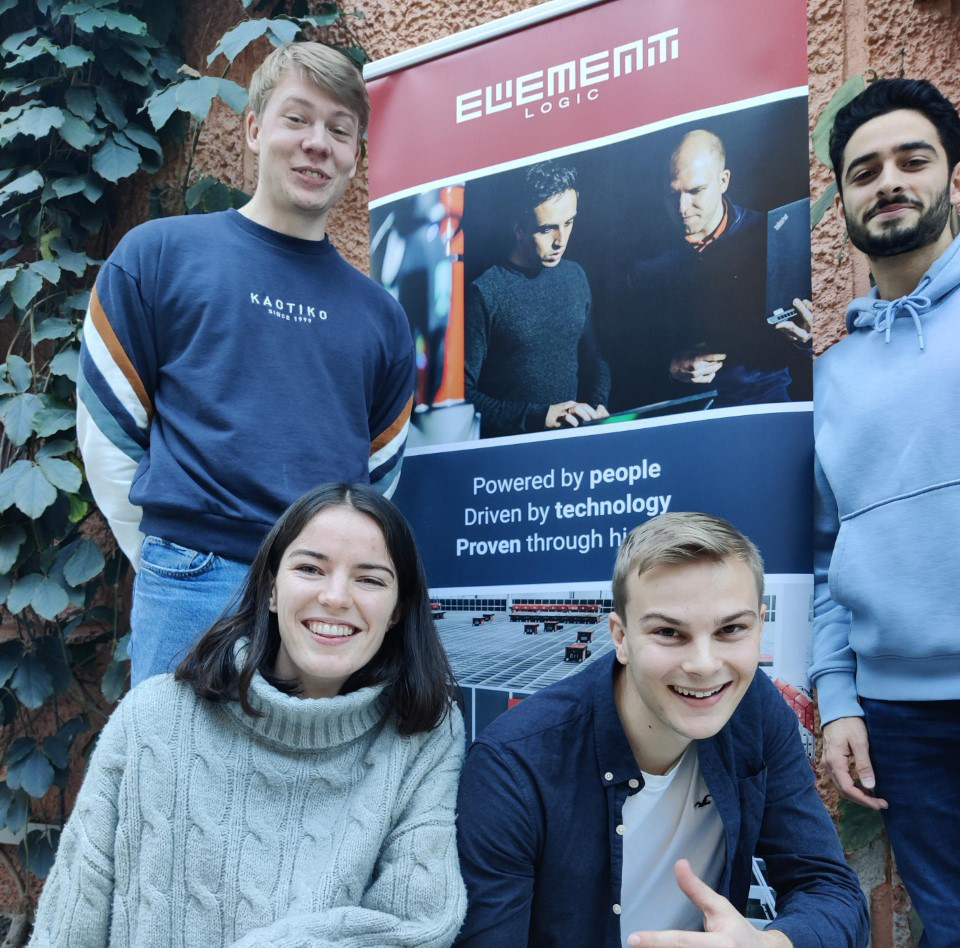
887, 516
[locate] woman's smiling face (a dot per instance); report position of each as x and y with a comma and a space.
335, 597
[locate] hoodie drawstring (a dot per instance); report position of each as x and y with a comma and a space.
884, 313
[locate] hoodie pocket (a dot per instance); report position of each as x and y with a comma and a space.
896, 567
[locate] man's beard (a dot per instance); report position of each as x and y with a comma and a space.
901, 239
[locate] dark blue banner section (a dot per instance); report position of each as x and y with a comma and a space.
556, 510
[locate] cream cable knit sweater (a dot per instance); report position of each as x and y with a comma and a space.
316, 825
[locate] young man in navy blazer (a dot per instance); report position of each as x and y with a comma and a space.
623, 806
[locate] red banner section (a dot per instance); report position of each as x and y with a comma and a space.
591, 73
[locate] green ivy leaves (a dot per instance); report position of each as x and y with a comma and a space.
194, 96
34, 674
28, 767
115, 678
26, 415
89, 95
26, 285
113, 160
85, 562
11, 539
821, 131
209, 194
73, 77
26, 183
104, 18
235, 41
821, 142
19, 373
33, 767
25, 484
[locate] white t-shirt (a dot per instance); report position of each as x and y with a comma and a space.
671, 817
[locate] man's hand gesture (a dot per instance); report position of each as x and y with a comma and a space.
845, 742
723, 925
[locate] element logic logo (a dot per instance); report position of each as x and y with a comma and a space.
564, 79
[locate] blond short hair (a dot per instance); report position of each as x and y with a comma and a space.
329, 69
676, 538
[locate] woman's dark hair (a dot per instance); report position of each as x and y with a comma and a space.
411, 660
889, 95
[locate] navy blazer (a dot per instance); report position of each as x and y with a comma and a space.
542, 795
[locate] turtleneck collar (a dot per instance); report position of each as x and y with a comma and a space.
308, 724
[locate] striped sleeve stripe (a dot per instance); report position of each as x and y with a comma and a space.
110, 472
385, 458
105, 395
114, 364
389, 435
105, 423
387, 484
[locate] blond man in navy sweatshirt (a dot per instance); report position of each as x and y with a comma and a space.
233, 360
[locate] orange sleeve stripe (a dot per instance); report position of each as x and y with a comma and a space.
120, 358
385, 437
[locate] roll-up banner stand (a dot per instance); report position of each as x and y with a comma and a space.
602, 203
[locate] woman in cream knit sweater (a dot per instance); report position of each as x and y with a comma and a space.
293, 784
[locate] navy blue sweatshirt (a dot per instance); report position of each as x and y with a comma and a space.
225, 370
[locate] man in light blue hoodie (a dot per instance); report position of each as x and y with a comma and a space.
887, 524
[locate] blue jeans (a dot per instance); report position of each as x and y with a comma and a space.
177, 595
915, 749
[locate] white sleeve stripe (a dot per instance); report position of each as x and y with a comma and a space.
114, 377
390, 449
110, 473
388, 483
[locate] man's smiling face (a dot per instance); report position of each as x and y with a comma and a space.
896, 184
307, 144
690, 645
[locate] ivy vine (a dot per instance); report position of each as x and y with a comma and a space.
91, 92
